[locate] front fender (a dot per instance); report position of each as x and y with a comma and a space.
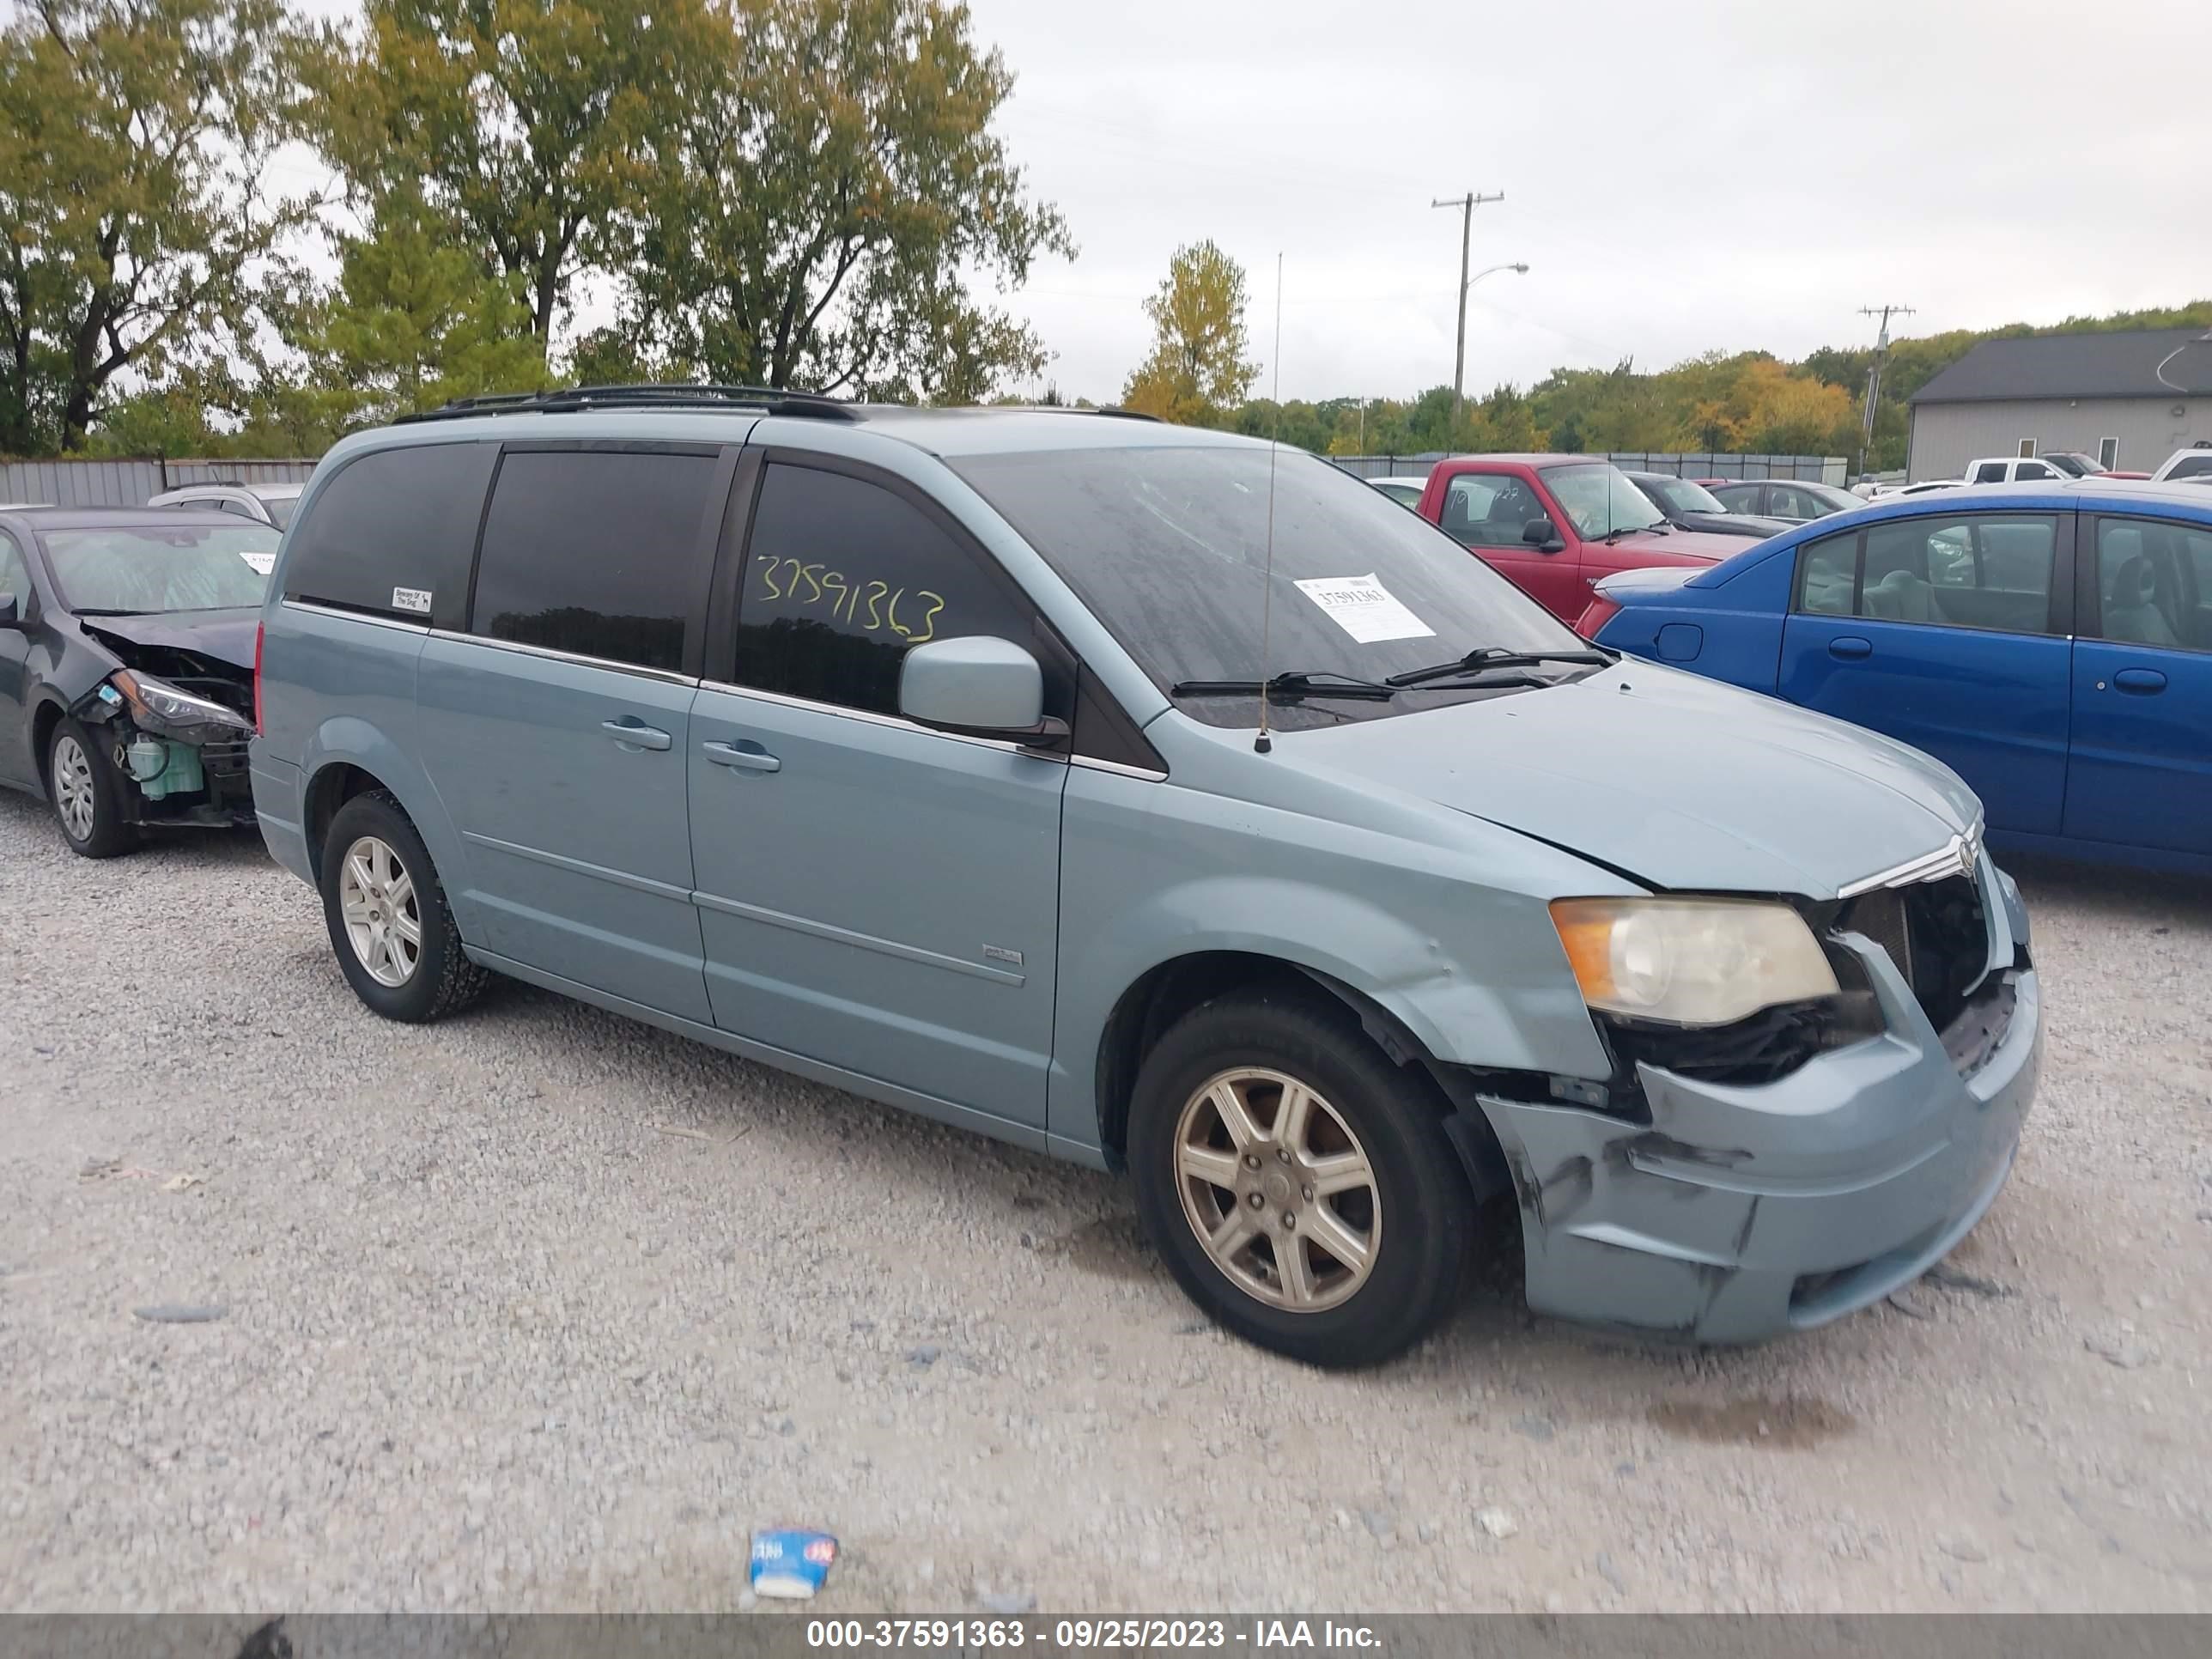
1460, 951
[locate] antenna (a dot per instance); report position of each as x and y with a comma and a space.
1263, 743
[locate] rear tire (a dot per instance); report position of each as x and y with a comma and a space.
390, 925
1340, 1239
86, 792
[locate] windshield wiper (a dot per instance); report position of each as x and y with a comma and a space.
96, 610
1497, 656
1321, 682
1612, 535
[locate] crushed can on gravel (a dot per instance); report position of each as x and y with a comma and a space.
790, 1562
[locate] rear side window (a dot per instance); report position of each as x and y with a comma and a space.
1826, 571
391, 534
599, 553
842, 576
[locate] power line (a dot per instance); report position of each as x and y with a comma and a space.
1874, 374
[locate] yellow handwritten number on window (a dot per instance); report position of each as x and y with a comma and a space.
780, 583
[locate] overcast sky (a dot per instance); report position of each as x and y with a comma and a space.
1682, 177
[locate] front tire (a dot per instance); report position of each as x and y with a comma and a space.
390, 925
1299, 1185
86, 793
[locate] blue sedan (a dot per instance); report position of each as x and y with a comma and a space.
2051, 643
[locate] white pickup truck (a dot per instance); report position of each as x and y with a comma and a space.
2011, 469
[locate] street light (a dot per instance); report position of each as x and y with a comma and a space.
1459, 358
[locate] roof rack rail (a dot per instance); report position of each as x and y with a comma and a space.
749, 399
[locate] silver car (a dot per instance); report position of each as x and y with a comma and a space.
1135, 795
265, 503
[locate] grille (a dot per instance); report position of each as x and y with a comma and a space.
1936, 934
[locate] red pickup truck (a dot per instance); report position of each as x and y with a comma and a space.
1553, 525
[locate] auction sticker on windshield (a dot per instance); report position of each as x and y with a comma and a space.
263, 563
1364, 609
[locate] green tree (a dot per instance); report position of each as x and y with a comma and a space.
136, 216
813, 216
528, 125
413, 322
1197, 372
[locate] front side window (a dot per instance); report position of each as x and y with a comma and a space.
1989, 472
2193, 466
14, 576
2036, 472
2154, 583
1989, 571
1600, 499
1489, 510
842, 576
1169, 548
134, 570
598, 553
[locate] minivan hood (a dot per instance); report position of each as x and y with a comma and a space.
223, 636
1677, 781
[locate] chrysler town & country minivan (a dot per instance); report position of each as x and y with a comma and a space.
1140, 795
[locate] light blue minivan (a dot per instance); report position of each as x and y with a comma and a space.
1163, 801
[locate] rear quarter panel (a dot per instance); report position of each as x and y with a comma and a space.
1730, 630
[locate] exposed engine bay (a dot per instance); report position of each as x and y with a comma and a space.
175, 723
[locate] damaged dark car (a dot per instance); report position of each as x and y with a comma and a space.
126, 667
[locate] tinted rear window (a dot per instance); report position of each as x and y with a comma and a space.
602, 553
394, 518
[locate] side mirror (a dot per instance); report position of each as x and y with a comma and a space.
11, 611
1542, 535
980, 687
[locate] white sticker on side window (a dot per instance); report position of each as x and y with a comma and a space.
1364, 609
262, 562
416, 599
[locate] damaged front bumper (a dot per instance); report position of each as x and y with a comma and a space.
171, 771
1739, 1213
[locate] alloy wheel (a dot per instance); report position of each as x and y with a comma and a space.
1278, 1190
75, 801
383, 916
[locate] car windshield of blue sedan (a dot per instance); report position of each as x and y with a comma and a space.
1171, 549
1600, 498
152, 568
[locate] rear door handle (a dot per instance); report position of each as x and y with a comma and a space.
744, 754
636, 733
2144, 682
1850, 648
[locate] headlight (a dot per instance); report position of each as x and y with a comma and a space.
163, 704
1690, 961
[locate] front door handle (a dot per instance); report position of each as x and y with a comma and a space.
636, 733
1850, 648
2144, 682
744, 754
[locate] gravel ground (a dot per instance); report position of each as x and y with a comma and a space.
543, 1310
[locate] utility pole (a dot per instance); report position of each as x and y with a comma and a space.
1873, 375
1467, 205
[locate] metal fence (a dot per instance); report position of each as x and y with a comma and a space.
131, 481
1811, 469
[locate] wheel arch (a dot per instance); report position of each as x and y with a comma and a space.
1169, 990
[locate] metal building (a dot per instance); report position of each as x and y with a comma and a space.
2131, 399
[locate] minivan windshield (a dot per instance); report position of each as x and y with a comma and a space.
133, 568
1600, 499
1169, 547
